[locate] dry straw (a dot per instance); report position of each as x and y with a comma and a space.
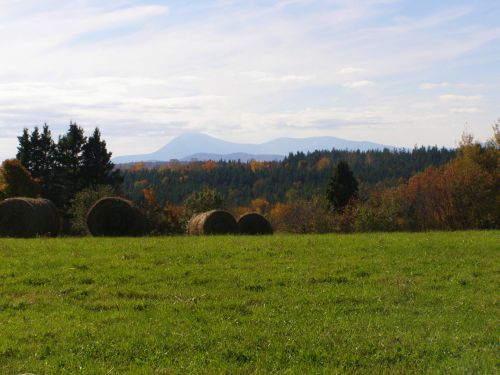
113, 216
212, 222
254, 223
28, 217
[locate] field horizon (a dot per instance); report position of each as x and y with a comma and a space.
358, 303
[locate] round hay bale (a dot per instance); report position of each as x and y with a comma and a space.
28, 217
113, 216
254, 223
212, 222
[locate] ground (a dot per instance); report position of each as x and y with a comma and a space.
365, 303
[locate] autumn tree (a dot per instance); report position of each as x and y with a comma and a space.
16, 180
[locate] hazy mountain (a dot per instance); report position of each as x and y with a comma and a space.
204, 147
236, 156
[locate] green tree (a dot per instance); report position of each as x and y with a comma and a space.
42, 158
24, 149
97, 168
81, 204
17, 180
68, 165
342, 188
204, 200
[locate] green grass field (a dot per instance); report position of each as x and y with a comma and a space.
364, 303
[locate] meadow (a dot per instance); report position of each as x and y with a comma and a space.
362, 303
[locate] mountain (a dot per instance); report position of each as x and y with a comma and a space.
241, 156
204, 147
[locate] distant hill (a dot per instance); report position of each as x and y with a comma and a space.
197, 146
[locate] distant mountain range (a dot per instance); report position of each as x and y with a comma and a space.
196, 146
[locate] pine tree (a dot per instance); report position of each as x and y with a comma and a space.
46, 149
68, 163
97, 168
24, 149
342, 188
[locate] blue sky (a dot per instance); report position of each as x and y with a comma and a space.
394, 72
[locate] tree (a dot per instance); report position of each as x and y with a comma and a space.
68, 164
97, 168
24, 149
204, 200
342, 188
81, 204
17, 180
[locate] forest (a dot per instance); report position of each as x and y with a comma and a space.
426, 188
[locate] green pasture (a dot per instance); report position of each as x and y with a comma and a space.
362, 303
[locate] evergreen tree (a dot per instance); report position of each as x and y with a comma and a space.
24, 149
342, 188
46, 152
97, 168
68, 165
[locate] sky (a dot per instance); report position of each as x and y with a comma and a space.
400, 73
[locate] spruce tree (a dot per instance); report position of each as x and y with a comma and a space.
97, 168
24, 149
342, 188
68, 163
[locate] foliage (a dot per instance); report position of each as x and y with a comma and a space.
16, 181
298, 176
342, 188
164, 220
81, 204
463, 194
314, 304
312, 216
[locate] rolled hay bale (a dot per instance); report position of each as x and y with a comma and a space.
254, 223
28, 217
113, 216
212, 222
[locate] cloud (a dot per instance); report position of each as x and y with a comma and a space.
432, 86
466, 110
350, 70
358, 84
460, 98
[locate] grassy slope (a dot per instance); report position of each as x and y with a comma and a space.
378, 303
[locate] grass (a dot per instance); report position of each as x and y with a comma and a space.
364, 303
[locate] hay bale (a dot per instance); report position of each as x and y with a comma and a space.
212, 222
28, 217
254, 223
113, 216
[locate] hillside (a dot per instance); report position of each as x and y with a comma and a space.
300, 175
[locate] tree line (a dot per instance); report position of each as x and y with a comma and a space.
322, 191
299, 176
63, 168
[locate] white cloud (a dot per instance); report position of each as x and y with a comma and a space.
466, 110
350, 70
358, 84
460, 98
432, 86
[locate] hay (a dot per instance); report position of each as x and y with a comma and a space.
254, 223
113, 216
212, 222
28, 217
